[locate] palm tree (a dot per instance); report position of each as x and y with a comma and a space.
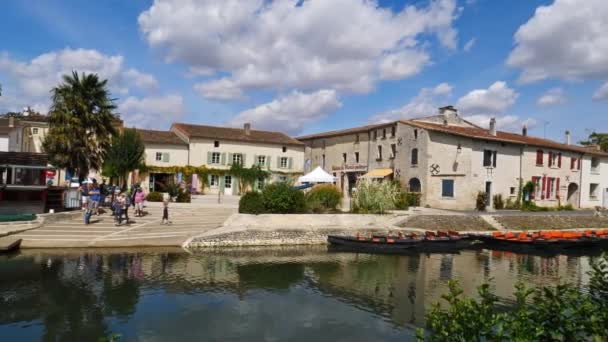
81, 124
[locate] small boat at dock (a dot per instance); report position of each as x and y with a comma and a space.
545, 240
431, 242
9, 244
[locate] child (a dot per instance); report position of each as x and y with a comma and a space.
139, 199
119, 204
166, 199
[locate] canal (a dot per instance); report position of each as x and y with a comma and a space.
252, 294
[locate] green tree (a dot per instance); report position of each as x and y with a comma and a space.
248, 176
126, 153
600, 139
81, 124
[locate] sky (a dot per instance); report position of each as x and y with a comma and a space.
307, 66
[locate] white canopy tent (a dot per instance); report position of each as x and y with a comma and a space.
317, 175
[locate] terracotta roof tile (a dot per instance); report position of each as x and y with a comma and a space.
480, 133
339, 132
160, 137
237, 134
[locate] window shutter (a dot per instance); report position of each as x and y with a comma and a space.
550, 162
579, 164
230, 158
209, 180
557, 188
539, 157
165, 157
243, 159
543, 188
235, 186
223, 158
559, 160
494, 158
278, 163
548, 188
208, 157
222, 182
268, 162
290, 163
255, 159
572, 161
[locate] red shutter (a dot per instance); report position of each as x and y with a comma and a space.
579, 164
550, 162
539, 157
548, 196
542, 192
572, 161
557, 188
559, 160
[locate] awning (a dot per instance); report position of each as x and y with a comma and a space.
378, 173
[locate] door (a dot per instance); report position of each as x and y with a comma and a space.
228, 185
489, 204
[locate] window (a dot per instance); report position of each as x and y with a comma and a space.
215, 158
323, 161
447, 188
512, 191
415, 134
162, 157
159, 156
539, 157
284, 149
357, 138
552, 188
375, 134
260, 183
414, 157
593, 190
393, 131
555, 159
261, 160
34, 130
237, 158
489, 158
283, 179
213, 180
283, 162
595, 165
393, 151
357, 157
344, 158
228, 182
384, 133
537, 187
216, 143
379, 157
573, 163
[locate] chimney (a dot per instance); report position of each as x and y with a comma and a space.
247, 128
493, 126
567, 137
11, 121
524, 131
448, 111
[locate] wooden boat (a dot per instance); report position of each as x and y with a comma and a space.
546, 240
8, 244
431, 242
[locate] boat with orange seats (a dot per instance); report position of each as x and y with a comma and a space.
553, 239
432, 242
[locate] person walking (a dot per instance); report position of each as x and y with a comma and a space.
103, 193
166, 200
95, 196
127, 204
118, 206
139, 199
84, 194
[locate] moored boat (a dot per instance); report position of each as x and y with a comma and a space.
440, 242
546, 240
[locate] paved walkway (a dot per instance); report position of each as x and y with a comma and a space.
187, 221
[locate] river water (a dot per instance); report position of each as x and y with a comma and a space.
252, 294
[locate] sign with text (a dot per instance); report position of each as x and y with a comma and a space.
353, 167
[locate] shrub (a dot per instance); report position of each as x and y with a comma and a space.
482, 201
498, 202
155, 197
323, 198
281, 198
375, 197
182, 197
401, 201
510, 204
251, 203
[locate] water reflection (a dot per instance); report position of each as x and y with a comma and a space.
253, 294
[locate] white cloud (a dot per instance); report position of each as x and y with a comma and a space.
151, 112
30, 82
424, 104
316, 44
511, 123
564, 40
601, 93
496, 99
552, 97
290, 113
469, 45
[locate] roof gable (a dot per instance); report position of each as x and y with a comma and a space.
236, 134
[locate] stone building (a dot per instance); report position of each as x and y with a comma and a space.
450, 161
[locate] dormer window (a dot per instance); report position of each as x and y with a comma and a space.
284, 149
216, 143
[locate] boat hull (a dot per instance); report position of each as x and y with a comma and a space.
403, 246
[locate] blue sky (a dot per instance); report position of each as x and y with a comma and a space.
309, 66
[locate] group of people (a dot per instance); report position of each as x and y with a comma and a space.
94, 195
